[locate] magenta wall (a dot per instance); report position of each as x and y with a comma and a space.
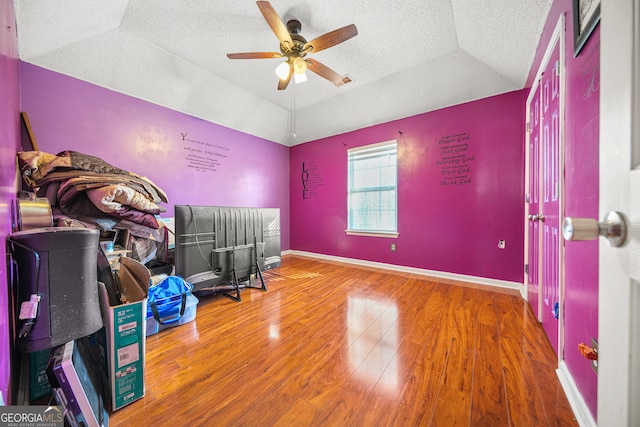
582, 125
192, 160
9, 143
452, 228
450, 216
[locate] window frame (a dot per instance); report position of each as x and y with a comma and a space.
353, 151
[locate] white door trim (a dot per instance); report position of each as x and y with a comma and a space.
619, 133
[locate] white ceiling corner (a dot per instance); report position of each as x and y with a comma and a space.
408, 58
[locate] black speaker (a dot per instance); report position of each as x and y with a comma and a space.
56, 281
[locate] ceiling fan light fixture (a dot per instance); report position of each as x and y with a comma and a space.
294, 47
299, 66
282, 70
299, 78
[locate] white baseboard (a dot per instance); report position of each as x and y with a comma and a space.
579, 406
432, 273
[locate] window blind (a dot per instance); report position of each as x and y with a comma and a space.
372, 203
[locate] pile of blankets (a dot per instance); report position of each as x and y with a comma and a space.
86, 189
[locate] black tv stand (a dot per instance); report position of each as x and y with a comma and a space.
233, 261
234, 275
234, 278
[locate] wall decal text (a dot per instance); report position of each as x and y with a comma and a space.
456, 160
311, 180
202, 156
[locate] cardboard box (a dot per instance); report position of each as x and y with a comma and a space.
125, 332
39, 386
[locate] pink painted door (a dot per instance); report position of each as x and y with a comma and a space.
533, 198
549, 217
543, 196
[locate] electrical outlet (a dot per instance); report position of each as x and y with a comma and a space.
393, 247
502, 244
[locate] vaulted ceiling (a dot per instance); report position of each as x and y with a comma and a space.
409, 57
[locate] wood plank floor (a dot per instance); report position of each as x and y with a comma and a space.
336, 345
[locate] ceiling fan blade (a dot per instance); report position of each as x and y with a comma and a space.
326, 72
333, 38
274, 21
283, 83
254, 55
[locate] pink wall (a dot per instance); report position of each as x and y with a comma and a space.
582, 125
450, 228
192, 160
9, 143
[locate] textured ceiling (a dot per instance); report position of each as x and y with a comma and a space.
408, 58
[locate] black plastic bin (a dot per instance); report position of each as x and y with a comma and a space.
60, 266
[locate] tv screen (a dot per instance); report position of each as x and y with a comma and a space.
212, 241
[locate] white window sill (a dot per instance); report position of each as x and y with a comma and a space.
387, 234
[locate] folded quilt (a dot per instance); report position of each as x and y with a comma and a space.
34, 165
87, 186
111, 198
38, 168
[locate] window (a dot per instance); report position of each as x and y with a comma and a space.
373, 189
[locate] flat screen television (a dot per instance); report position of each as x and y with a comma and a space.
76, 379
216, 246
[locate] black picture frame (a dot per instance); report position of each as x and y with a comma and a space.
586, 15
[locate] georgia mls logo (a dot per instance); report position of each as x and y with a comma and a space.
55, 409
32, 416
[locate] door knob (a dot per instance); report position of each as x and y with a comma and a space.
534, 218
613, 226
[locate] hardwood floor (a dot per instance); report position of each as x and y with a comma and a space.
336, 345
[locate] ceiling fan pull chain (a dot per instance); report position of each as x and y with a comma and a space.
293, 111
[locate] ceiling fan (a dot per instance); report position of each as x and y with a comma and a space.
295, 48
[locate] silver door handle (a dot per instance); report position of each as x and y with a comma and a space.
533, 218
613, 226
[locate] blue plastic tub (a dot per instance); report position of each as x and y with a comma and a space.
175, 305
